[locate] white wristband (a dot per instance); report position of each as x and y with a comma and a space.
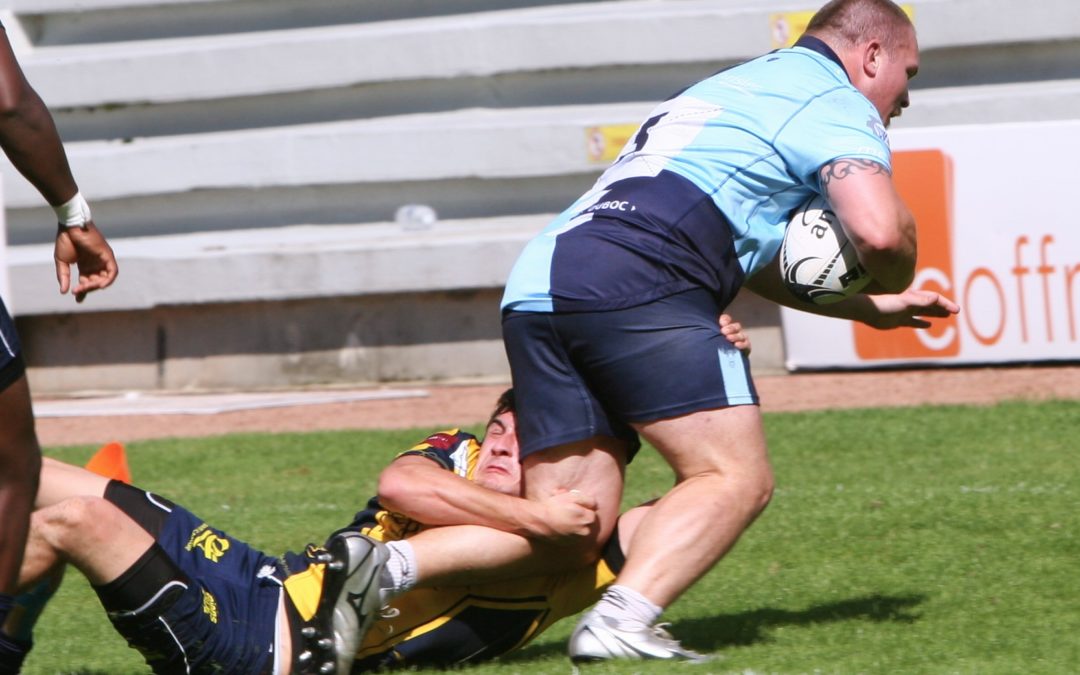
75, 212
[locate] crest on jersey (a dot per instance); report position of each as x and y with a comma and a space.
873, 123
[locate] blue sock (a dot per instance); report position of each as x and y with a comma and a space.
12, 652
28, 607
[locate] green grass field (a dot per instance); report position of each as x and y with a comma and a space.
913, 540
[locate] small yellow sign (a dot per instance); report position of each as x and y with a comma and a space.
786, 27
604, 143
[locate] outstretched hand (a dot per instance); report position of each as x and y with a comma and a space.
87, 249
907, 309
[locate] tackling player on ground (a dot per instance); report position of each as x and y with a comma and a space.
193, 599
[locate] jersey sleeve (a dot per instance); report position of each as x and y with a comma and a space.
445, 448
453, 450
838, 124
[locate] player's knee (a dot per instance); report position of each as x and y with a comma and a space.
77, 522
763, 490
751, 486
757, 487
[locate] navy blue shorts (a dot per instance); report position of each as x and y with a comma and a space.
578, 375
11, 362
226, 620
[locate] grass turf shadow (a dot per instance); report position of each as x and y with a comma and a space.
712, 634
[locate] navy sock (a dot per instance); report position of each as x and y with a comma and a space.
140, 583
29, 605
12, 651
136, 600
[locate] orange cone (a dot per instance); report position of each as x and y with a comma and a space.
110, 461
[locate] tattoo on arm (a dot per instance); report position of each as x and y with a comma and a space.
842, 168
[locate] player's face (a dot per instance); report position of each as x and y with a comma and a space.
499, 467
889, 89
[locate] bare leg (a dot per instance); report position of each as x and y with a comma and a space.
629, 521
133, 577
43, 564
40, 577
40, 558
20, 461
93, 535
88, 531
596, 466
469, 554
723, 481
60, 481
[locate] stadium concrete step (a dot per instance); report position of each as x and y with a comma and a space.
286, 263
574, 35
479, 143
164, 185
992, 103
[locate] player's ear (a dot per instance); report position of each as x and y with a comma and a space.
872, 53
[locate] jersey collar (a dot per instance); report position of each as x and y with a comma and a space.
816, 45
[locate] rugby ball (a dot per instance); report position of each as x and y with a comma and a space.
817, 261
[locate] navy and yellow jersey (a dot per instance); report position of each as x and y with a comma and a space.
453, 450
453, 625
222, 615
446, 626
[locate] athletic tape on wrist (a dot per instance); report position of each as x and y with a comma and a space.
75, 212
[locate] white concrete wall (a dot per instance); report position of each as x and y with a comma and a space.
290, 263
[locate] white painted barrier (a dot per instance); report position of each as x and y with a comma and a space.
995, 234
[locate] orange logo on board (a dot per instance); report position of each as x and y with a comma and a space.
924, 180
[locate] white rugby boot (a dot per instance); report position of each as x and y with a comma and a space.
350, 598
599, 638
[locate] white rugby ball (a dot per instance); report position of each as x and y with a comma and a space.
818, 262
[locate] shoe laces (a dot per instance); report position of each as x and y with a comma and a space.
386, 613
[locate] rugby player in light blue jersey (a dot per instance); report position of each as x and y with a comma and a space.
609, 315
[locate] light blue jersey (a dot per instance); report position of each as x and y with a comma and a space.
700, 196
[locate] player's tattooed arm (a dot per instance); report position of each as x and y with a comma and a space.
846, 168
875, 219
